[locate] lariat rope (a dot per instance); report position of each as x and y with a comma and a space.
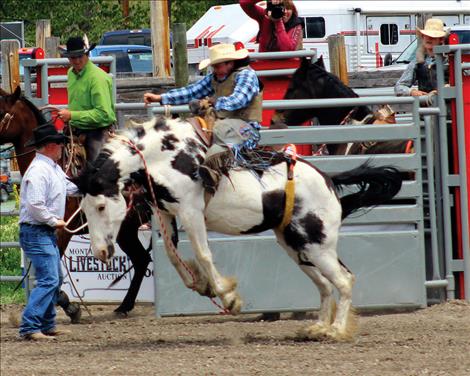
70, 220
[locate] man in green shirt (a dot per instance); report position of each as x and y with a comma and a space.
90, 98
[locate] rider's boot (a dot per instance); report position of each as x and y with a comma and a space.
210, 178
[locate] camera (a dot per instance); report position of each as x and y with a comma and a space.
277, 10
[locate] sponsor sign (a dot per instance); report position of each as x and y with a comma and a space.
92, 278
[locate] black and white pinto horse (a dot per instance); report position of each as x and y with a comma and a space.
244, 203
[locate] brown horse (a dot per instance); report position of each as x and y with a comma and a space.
18, 118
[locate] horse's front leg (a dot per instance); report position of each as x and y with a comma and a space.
225, 288
72, 310
186, 273
129, 242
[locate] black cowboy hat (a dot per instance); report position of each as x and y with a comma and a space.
76, 47
44, 134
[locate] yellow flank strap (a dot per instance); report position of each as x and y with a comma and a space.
290, 196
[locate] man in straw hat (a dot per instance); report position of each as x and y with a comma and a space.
90, 109
423, 69
237, 96
42, 207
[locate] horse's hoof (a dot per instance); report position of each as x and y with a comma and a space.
316, 332
233, 302
74, 311
339, 335
121, 314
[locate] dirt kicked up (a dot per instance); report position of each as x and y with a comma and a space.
431, 341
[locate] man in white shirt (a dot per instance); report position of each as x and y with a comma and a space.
42, 206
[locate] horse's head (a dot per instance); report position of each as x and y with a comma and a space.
7, 101
304, 84
103, 204
312, 81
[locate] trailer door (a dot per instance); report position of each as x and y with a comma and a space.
449, 20
392, 34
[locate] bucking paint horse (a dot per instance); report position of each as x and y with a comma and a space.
165, 155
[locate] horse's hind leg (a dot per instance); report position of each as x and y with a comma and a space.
225, 288
321, 264
344, 325
326, 313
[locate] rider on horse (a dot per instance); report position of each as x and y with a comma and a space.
236, 93
90, 98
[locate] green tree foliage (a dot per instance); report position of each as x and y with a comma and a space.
94, 17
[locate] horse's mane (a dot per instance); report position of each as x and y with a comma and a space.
37, 114
342, 90
115, 143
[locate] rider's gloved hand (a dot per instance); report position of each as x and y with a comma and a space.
195, 106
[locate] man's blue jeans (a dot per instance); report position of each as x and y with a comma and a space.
39, 243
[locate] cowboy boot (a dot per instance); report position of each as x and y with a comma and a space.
72, 310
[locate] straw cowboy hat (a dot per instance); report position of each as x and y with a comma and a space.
433, 28
221, 53
46, 134
77, 46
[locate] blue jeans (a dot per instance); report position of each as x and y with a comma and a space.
39, 243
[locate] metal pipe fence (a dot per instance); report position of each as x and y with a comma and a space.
407, 125
449, 180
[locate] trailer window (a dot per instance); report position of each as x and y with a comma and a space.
314, 27
389, 34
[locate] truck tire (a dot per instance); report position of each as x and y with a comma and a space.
4, 195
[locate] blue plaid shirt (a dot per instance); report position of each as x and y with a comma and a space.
246, 88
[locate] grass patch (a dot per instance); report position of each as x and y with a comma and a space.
10, 261
8, 296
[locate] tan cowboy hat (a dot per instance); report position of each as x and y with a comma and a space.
433, 28
221, 53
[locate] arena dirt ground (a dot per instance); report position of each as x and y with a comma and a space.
430, 341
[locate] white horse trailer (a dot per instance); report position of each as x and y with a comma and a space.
369, 27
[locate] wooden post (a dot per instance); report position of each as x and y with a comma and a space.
43, 30
159, 24
52, 47
10, 64
180, 54
421, 19
337, 52
125, 11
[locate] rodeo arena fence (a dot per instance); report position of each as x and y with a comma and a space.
405, 254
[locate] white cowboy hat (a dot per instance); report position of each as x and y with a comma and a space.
221, 53
434, 28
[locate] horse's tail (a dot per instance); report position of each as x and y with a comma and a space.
376, 186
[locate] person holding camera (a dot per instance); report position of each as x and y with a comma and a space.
280, 28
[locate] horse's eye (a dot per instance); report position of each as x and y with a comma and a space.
100, 208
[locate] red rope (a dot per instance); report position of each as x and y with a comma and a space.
163, 228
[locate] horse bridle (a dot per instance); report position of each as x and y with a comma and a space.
6, 120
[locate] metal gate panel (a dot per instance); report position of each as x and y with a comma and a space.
268, 280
